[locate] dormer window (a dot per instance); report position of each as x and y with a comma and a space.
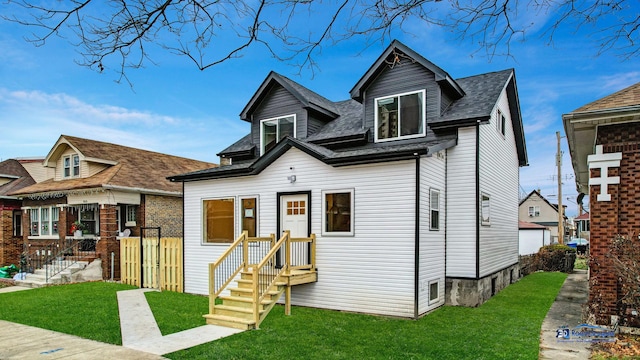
400, 116
71, 165
274, 130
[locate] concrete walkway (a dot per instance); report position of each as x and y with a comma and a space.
566, 311
141, 337
140, 331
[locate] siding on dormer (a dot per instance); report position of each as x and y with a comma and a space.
278, 102
403, 77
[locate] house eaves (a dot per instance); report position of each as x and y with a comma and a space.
142, 190
327, 156
442, 77
581, 128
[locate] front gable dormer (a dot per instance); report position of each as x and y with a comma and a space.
69, 162
401, 92
281, 108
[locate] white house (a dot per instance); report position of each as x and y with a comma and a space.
410, 186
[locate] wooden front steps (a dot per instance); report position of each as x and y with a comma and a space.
236, 310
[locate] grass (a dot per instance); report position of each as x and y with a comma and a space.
505, 327
89, 310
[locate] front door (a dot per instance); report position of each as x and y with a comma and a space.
294, 214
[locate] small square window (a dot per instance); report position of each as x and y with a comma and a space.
338, 212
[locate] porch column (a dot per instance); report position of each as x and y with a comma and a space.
108, 242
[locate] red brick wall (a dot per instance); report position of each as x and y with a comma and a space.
620, 216
10, 246
108, 243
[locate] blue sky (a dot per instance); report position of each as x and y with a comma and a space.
174, 108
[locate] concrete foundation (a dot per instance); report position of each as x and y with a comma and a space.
474, 292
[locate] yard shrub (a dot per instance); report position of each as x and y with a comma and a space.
624, 253
556, 257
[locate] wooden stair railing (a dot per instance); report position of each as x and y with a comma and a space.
259, 286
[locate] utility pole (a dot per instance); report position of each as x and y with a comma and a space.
560, 212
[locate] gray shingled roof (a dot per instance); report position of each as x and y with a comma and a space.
483, 92
479, 93
347, 124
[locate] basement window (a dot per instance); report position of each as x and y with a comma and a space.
434, 293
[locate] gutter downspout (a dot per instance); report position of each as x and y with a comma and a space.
416, 250
478, 215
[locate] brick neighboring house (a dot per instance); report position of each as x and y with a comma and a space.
535, 208
13, 176
604, 142
103, 189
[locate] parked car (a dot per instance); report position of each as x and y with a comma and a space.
580, 244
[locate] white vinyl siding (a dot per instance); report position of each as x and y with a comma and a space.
352, 268
461, 210
499, 178
432, 243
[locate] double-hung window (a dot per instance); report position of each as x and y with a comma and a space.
44, 221
434, 206
400, 116
71, 166
274, 130
534, 211
501, 123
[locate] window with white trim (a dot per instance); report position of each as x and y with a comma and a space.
337, 207
485, 210
71, 166
76, 165
274, 130
44, 221
400, 116
434, 291
218, 220
249, 215
434, 207
66, 165
130, 215
534, 211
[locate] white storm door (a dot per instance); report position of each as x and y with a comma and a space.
295, 215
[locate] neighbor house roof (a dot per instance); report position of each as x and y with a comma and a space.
581, 127
18, 175
525, 225
582, 217
128, 168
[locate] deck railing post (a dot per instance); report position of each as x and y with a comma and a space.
212, 287
313, 251
245, 249
287, 250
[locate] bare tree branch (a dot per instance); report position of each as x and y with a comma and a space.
125, 34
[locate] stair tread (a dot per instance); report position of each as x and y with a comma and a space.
249, 290
242, 299
246, 281
236, 309
230, 318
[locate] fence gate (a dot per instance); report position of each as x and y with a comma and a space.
151, 261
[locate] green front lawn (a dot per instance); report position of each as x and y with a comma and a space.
507, 326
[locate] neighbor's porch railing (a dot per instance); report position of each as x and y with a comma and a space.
56, 256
